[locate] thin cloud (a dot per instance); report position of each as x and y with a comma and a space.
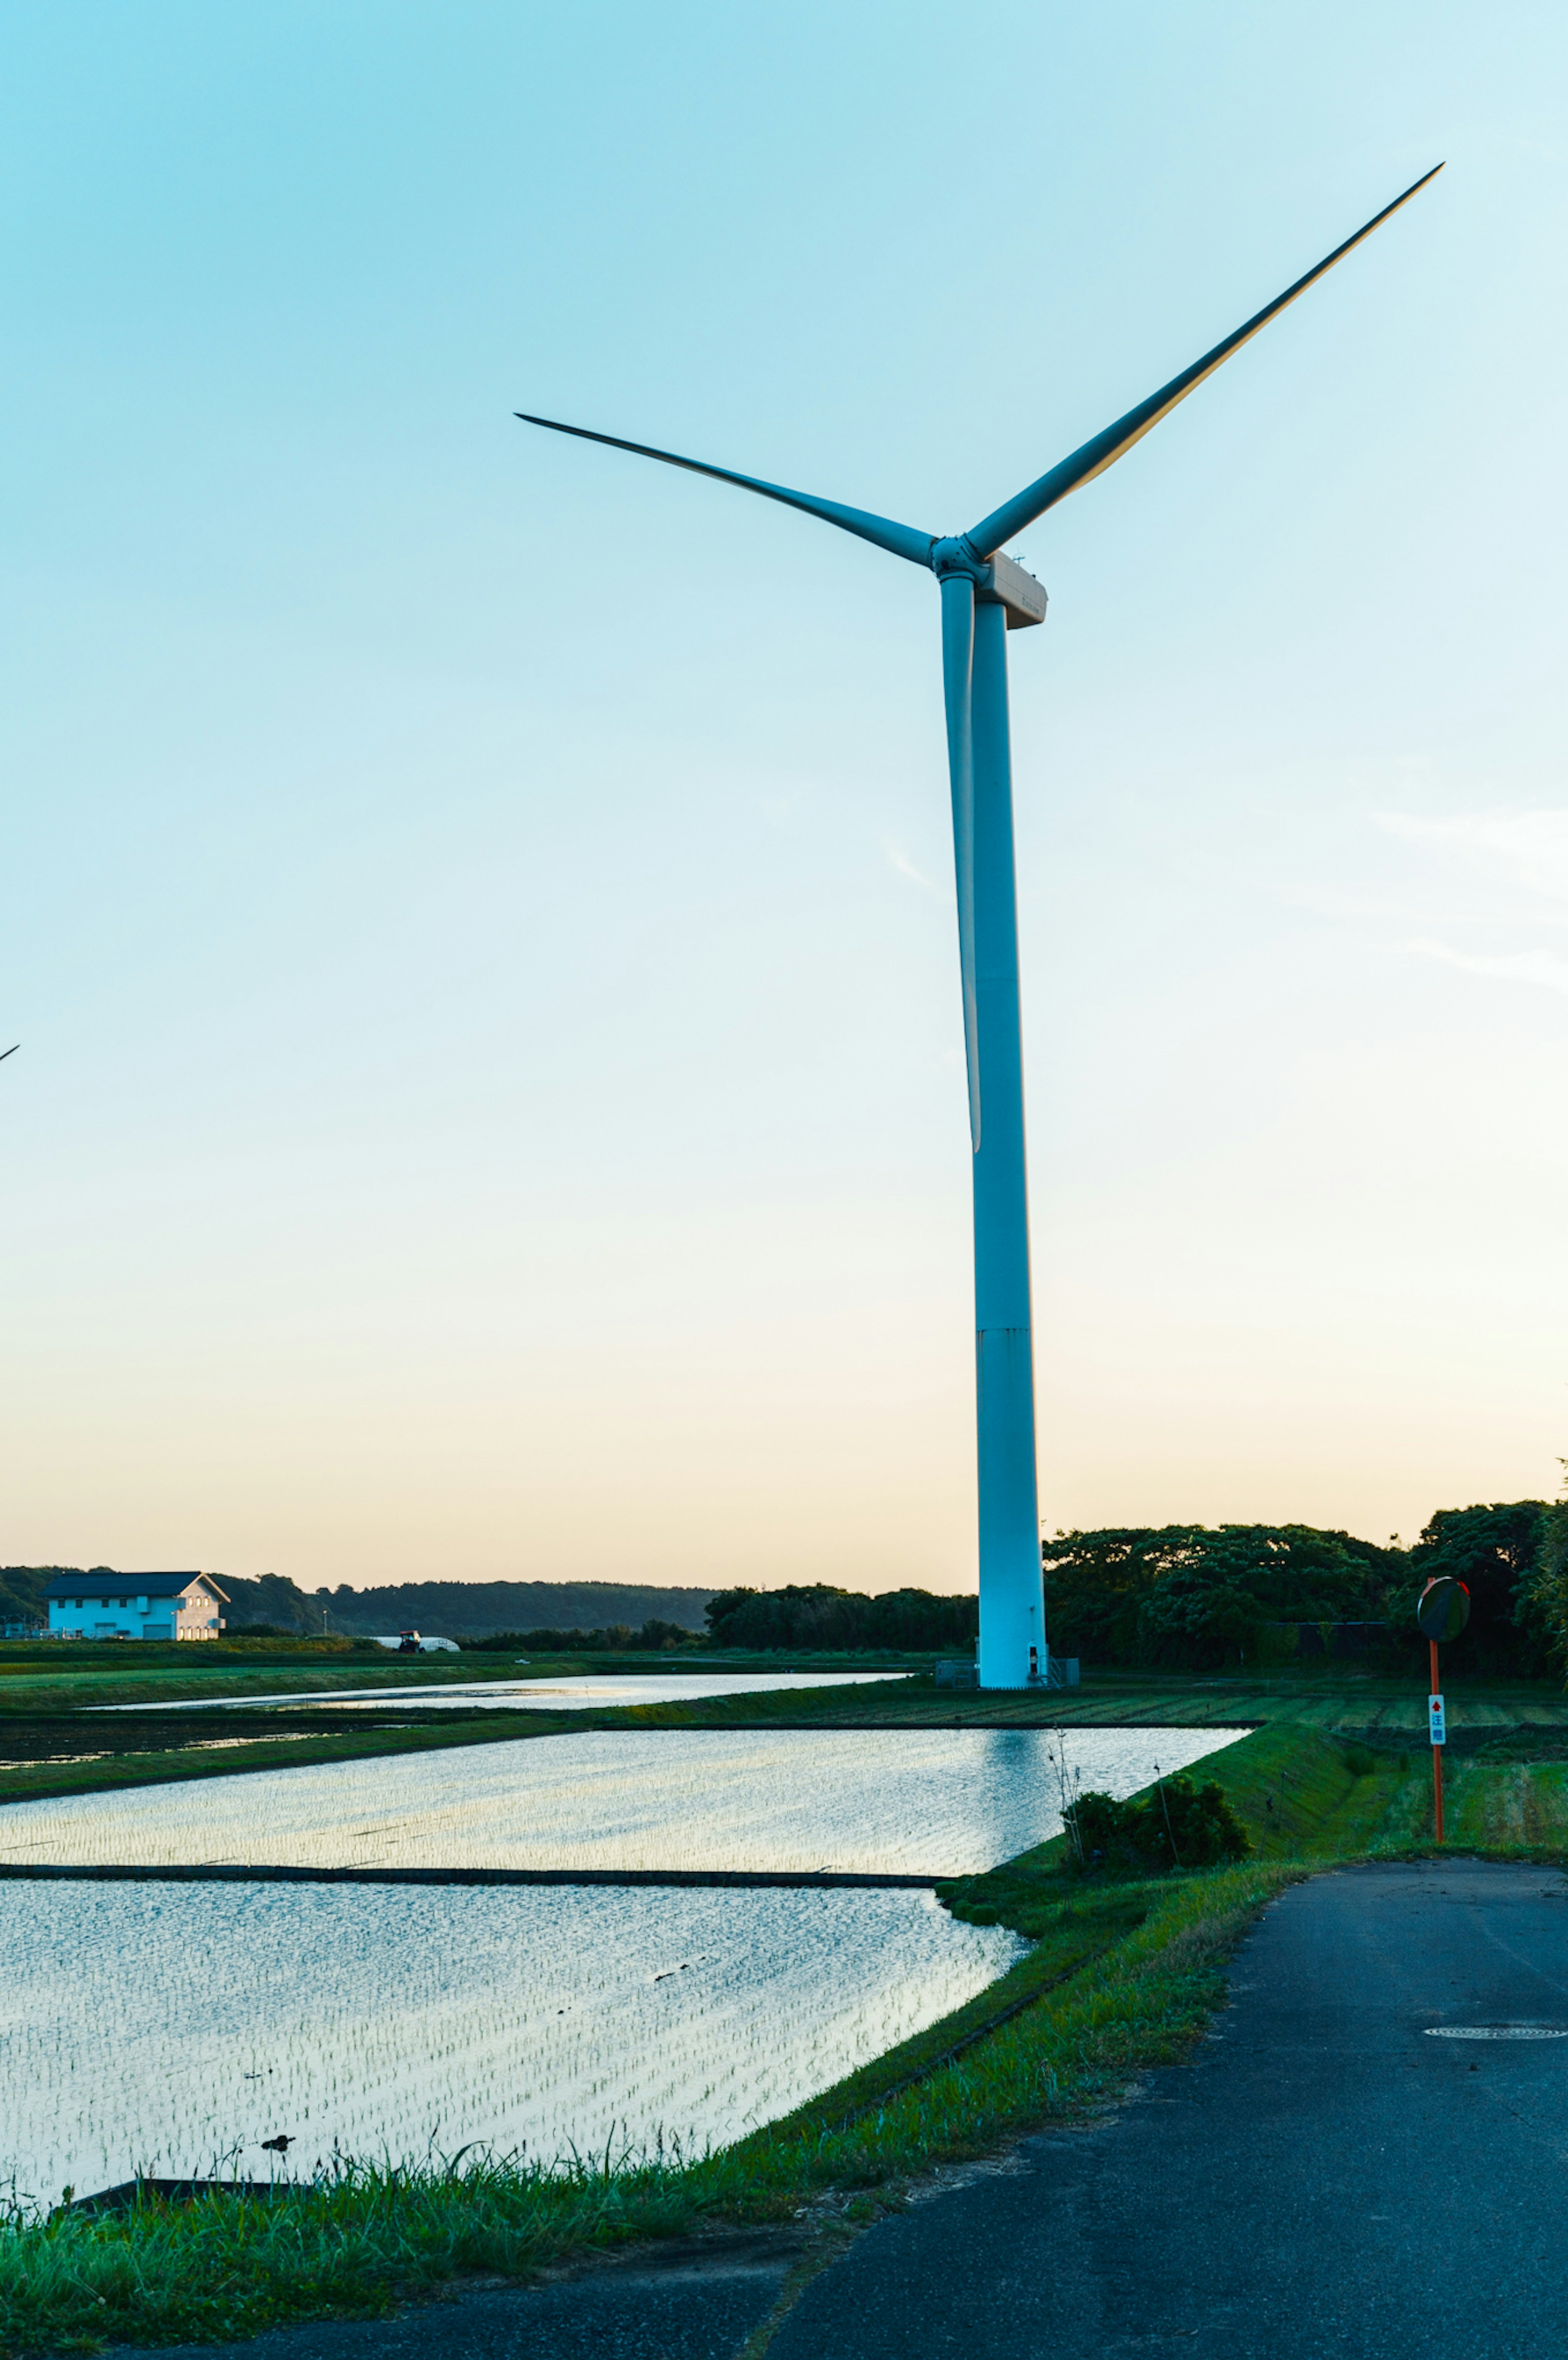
1531, 847
899, 860
1544, 967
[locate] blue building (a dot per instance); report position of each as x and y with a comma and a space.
135, 1606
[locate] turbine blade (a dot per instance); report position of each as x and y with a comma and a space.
957, 681
899, 540
1004, 523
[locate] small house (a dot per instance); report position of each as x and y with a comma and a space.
135, 1606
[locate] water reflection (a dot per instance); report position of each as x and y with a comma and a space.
563, 1694
214, 2017
933, 1802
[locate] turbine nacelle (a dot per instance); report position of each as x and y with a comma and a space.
1012, 587
998, 580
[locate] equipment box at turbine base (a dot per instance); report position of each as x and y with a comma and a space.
957, 1672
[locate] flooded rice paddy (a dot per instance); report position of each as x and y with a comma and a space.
396, 2022
920, 1802
561, 1695
198, 2021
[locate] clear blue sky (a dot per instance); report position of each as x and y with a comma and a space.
478, 908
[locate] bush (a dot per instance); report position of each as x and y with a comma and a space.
1175, 1825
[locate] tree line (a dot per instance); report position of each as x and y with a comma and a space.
811, 1617
1190, 1598
1196, 1598
608, 1637
816, 1615
1171, 1596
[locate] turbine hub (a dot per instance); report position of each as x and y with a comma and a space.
998, 582
957, 556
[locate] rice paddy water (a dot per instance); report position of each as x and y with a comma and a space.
387, 2021
390, 2021
923, 1802
569, 1692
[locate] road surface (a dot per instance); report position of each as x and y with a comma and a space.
1326, 2179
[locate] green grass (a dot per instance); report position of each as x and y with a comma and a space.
1507, 1808
230, 2265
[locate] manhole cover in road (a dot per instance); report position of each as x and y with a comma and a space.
1498, 2031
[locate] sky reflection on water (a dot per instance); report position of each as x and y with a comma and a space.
545, 1695
197, 2021
931, 1802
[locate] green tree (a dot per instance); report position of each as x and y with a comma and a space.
1542, 1605
1096, 1583
1495, 1552
817, 1615
1193, 1596
1212, 1608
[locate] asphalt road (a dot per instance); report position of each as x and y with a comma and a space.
1326, 2180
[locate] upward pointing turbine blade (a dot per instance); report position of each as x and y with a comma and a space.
958, 688
1005, 523
899, 540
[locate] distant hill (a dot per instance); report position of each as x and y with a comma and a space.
22, 1589
464, 1610
272, 1598
447, 1610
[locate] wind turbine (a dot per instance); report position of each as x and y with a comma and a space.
984, 596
